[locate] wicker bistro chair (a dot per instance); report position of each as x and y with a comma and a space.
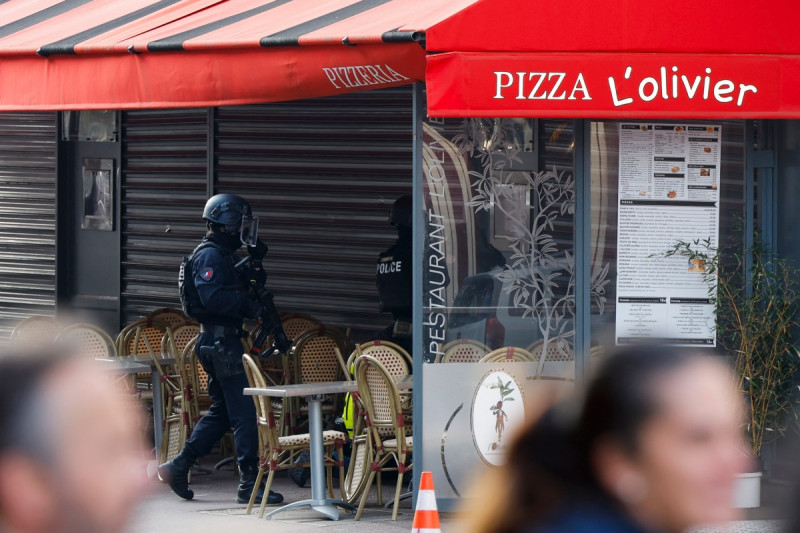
144, 338
293, 325
198, 377
296, 323
278, 369
175, 343
396, 360
124, 333
387, 439
177, 417
176, 339
558, 360
358, 470
280, 453
463, 351
509, 354
36, 329
173, 318
92, 341
316, 356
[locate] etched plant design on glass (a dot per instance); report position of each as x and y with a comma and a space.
540, 274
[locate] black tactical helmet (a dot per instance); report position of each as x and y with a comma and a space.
400, 215
227, 210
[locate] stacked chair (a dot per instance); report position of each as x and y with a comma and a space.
167, 332
388, 438
377, 441
179, 408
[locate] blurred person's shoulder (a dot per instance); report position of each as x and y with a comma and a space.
589, 518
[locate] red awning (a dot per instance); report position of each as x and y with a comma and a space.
120, 54
616, 58
608, 58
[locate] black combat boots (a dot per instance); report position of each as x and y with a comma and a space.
176, 474
247, 480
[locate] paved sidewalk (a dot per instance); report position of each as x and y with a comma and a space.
214, 510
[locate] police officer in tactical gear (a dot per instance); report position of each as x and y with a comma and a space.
394, 276
215, 294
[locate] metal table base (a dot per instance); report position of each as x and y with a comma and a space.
319, 501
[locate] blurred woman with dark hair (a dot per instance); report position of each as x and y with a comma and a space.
653, 445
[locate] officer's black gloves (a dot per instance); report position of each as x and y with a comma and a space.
258, 251
281, 342
265, 297
259, 277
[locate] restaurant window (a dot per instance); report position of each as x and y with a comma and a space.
502, 260
499, 198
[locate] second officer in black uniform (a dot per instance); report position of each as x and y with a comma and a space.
218, 296
394, 276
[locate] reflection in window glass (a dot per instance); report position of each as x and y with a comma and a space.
500, 204
98, 126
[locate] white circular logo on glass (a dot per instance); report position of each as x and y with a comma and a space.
497, 412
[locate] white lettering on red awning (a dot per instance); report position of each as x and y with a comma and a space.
539, 85
679, 87
647, 88
353, 76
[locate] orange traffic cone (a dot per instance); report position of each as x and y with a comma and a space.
426, 517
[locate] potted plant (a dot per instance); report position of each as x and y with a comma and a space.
757, 297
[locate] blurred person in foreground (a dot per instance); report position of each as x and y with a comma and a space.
71, 452
652, 445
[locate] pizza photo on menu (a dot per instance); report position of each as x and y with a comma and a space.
697, 265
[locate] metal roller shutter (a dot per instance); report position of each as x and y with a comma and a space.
28, 155
164, 178
322, 174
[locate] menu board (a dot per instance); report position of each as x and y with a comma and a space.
668, 193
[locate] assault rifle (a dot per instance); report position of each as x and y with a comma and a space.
251, 271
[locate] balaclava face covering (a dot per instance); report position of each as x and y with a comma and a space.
229, 242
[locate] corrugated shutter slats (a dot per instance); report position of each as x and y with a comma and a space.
28, 154
163, 190
322, 174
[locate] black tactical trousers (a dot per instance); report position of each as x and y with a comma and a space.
229, 408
